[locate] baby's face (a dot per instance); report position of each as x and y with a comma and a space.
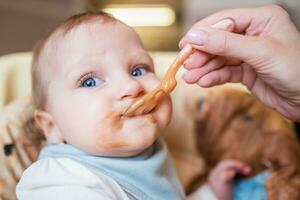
99, 70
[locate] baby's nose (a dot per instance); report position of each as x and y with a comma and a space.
131, 88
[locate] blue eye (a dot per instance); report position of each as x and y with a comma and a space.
139, 71
91, 82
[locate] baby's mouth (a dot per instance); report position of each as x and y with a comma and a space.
117, 119
138, 103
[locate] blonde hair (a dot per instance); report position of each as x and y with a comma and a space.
39, 86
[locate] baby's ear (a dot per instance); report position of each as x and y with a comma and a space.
45, 122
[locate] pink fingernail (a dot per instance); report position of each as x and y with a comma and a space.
180, 45
225, 24
197, 37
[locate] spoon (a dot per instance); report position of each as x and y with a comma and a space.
148, 102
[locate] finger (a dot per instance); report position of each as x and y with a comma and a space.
223, 43
243, 18
197, 59
228, 175
193, 75
233, 61
225, 170
225, 25
183, 42
234, 165
221, 76
226, 164
235, 74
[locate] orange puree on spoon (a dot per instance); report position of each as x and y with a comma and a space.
148, 102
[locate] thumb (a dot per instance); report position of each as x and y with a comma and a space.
224, 43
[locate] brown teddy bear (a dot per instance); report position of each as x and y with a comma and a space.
233, 125
20, 142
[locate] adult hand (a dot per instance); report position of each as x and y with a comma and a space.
262, 52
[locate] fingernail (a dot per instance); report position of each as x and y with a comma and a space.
204, 82
225, 24
197, 37
180, 45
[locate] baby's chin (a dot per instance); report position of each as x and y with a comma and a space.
127, 138
156, 120
134, 144
141, 131
130, 136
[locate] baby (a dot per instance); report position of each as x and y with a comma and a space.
85, 73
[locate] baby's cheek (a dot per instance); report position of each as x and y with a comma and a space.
151, 83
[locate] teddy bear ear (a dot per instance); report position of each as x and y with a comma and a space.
281, 150
281, 157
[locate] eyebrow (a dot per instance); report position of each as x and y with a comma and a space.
80, 67
143, 55
75, 73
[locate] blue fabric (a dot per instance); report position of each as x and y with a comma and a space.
148, 176
252, 188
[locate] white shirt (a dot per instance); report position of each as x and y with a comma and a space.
65, 179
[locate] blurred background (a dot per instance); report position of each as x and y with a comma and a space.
160, 23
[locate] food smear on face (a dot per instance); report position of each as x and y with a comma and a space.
148, 102
117, 144
151, 119
115, 119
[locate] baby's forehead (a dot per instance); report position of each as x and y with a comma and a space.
62, 43
94, 29
92, 34
90, 38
